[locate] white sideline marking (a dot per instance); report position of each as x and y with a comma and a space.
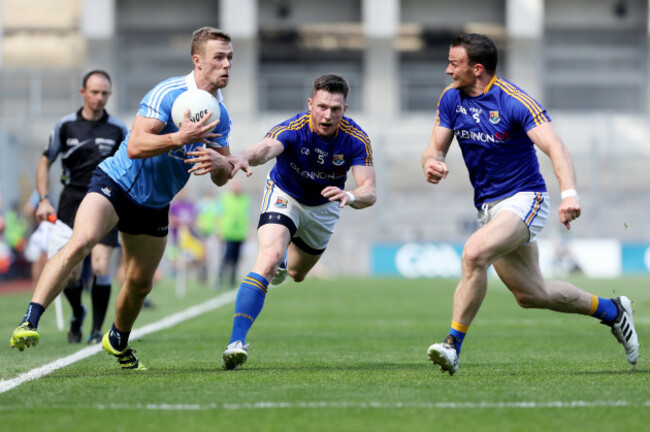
370, 405
170, 321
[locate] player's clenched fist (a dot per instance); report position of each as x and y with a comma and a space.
435, 171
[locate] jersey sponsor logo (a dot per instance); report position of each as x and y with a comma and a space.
281, 203
313, 175
338, 159
475, 136
494, 117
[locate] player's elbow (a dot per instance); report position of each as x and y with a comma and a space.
131, 152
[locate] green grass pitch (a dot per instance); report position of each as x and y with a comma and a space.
341, 355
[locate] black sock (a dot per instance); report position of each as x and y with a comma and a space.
73, 294
33, 314
119, 339
100, 295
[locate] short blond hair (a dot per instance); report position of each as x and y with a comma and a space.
204, 34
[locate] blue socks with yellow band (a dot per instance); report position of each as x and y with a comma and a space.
249, 303
458, 331
603, 309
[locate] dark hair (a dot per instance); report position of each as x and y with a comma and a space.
84, 81
480, 49
204, 34
332, 84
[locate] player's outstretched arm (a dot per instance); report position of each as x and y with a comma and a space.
433, 158
547, 139
363, 196
145, 142
258, 154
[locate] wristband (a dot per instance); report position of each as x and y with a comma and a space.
569, 193
351, 197
42, 197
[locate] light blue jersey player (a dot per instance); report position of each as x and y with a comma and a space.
303, 198
133, 190
497, 126
154, 181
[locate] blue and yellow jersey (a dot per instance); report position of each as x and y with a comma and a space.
309, 163
491, 130
154, 181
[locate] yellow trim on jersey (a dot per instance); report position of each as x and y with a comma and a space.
459, 327
294, 125
351, 130
534, 108
489, 86
254, 282
437, 121
532, 104
449, 87
594, 304
347, 128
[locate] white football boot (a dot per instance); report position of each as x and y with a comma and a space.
234, 356
623, 328
444, 355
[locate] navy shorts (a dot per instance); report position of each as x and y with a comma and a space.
133, 217
69, 204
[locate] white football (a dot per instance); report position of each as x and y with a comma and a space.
200, 103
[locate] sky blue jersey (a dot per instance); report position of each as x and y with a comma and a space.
309, 163
154, 181
491, 130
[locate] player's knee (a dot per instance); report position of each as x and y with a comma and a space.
474, 256
528, 300
297, 276
139, 285
79, 247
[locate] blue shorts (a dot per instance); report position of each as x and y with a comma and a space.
133, 217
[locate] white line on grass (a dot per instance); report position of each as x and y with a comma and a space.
370, 405
170, 321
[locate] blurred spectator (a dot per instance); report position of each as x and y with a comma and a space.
5, 254
15, 230
235, 220
207, 224
183, 236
